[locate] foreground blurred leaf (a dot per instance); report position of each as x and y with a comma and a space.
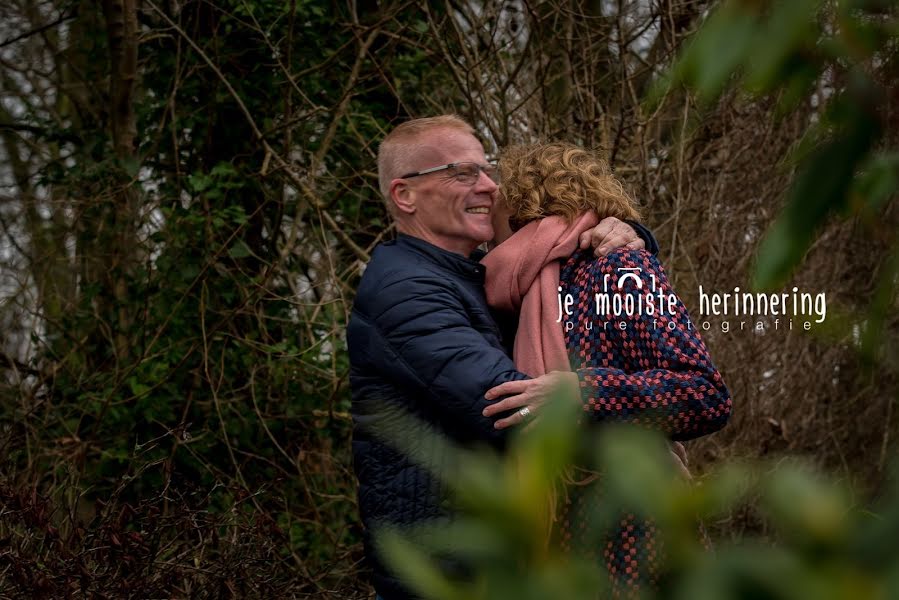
820, 188
807, 508
790, 50
714, 55
825, 548
638, 469
781, 44
415, 568
877, 183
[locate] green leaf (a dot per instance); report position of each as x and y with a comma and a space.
718, 50
797, 88
751, 571
131, 165
819, 189
877, 183
239, 250
806, 507
646, 482
198, 182
781, 44
137, 388
880, 308
414, 566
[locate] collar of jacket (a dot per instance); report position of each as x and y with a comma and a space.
468, 268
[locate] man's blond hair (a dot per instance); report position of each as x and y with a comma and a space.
400, 147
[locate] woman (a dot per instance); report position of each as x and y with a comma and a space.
646, 366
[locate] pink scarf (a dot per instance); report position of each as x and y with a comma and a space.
523, 275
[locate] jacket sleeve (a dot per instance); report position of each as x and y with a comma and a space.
652, 245
430, 347
669, 382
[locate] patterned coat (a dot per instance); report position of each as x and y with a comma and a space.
655, 372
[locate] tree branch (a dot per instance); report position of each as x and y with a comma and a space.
38, 30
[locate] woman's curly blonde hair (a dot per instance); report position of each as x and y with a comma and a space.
556, 178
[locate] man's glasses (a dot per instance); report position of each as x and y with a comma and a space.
464, 172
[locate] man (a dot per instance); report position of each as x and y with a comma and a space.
421, 337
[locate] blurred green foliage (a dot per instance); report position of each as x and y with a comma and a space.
231, 396
844, 55
827, 546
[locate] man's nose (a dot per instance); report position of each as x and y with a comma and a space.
485, 184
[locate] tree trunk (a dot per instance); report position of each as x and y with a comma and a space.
121, 33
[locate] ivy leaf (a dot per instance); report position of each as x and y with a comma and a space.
199, 182
137, 388
239, 250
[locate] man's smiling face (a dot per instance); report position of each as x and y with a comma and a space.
448, 213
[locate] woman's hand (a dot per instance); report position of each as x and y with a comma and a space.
679, 456
530, 394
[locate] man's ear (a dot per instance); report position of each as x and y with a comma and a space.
402, 197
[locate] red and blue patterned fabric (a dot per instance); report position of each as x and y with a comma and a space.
653, 371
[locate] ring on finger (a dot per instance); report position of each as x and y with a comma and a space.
525, 412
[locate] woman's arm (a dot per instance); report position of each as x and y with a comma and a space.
649, 367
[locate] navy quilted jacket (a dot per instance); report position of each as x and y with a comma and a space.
422, 340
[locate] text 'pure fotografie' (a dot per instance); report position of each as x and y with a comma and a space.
626, 295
